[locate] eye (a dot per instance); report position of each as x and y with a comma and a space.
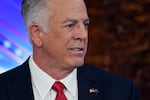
86, 25
69, 25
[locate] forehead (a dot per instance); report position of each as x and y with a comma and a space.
68, 8
62, 3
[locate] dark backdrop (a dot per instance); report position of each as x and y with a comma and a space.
119, 39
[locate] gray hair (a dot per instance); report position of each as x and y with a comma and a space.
35, 11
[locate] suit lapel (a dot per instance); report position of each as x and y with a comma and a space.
89, 88
20, 87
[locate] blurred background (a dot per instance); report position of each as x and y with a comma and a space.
14, 44
119, 38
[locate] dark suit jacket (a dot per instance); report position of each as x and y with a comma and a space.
16, 85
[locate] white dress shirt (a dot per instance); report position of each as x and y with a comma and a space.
42, 83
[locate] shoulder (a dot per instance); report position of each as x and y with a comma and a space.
14, 73
108, 78
6, 80
113, 85
9, 75
87, 68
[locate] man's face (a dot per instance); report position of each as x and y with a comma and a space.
66, 42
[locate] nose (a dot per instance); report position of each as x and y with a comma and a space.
81, 32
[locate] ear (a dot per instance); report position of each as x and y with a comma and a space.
35, 32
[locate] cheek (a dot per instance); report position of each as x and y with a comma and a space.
58, 39
59, 45
64, 39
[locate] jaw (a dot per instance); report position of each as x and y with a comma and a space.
75, 60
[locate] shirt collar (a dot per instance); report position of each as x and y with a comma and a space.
43, 82
70, 82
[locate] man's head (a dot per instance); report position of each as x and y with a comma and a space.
58, 30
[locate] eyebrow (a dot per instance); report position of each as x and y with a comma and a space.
70, 20
75, 21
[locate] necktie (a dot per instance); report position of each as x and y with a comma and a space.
59, 88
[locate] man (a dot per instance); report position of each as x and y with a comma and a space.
58, 30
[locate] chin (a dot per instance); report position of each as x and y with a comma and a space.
78, 63
75, 61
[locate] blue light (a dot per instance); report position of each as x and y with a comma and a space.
6, 44
1, 56
18, 52
14, 45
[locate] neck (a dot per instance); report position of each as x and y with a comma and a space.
56, 72
50, 66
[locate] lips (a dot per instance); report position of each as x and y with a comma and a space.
76, 50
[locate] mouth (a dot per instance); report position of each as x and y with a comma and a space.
77, 51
